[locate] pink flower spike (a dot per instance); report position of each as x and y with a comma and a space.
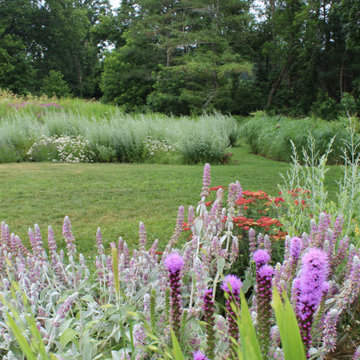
174, 262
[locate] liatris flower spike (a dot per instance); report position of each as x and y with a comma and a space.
310, 287
200, 356
174, 264
264, 276
295, 247
261, 257
209, 318
232, 285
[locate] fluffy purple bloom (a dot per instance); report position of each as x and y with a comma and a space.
310, 286
296, 246
174, 262
266, 271
313, 275
231, 284
200, 356
261, 257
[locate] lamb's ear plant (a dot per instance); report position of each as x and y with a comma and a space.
292, 344
35, 348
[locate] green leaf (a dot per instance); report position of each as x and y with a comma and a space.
250, 349
67, 336
20, 338
176, 348
220, 264
289, 329
115, 264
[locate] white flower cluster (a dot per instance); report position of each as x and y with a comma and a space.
64, 149
154, 147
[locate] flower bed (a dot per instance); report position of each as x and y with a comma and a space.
146, 304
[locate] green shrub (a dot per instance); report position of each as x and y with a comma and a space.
55, 85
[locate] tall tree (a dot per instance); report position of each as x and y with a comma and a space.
17, 21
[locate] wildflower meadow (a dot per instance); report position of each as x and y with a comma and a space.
238, 279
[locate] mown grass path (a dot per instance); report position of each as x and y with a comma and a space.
117, 196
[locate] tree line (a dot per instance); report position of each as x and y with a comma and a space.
187, 56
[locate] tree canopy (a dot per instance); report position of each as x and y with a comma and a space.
186, 56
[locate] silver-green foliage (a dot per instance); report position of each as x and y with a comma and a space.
122, 137
273, 136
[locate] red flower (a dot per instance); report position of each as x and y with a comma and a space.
215, 188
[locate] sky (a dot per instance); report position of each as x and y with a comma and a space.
115, 3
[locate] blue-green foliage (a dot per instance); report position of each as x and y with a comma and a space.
273, 136
124, 138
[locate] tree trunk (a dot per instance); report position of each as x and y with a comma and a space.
341, 80
277, 83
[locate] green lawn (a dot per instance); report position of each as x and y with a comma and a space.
117, 196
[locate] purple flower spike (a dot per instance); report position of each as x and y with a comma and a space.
296, 246
310, 286
209, 318
206, 181
200, 356
264, 276
357, 354
231, 284
174, 263
261, 257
